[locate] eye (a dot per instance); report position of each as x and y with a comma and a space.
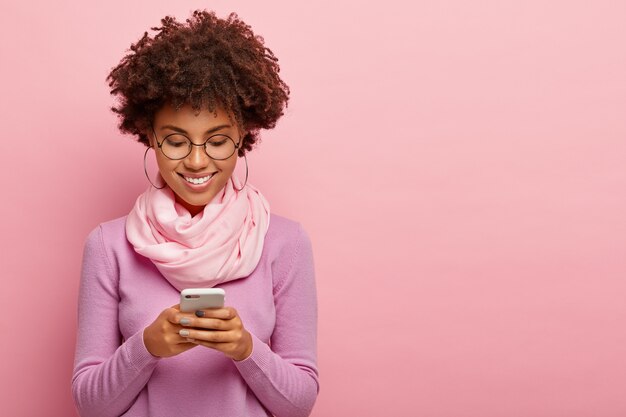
217, 141
176, 141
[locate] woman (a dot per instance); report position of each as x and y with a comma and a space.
197, 94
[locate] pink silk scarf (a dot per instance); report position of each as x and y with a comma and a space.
222, 243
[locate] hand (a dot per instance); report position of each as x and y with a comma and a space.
220, 329
161, 337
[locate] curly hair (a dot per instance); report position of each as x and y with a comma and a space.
207, 63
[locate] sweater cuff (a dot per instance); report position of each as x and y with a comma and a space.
137, 353
258, 360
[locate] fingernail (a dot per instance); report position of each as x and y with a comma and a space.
199, 313
185, 321
183, 332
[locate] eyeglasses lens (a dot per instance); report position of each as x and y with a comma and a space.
217, 147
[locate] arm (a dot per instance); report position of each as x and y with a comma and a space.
107, 376
285, 377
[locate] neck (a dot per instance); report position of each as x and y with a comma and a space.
193, 210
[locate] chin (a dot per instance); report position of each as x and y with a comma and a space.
196, 200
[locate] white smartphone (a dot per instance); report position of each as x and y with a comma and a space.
192, 299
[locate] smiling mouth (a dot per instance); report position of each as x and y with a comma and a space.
199, 180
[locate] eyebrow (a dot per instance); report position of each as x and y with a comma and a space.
180, 130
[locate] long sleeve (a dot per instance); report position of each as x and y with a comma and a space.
108, 375
284, 377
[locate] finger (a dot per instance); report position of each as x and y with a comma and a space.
175, 316
214, 336
212, 345
182, 319
180, 340
222, 347
215, 324
224, 313
176, 338
210, 324
175, 308
182, 347
170, 334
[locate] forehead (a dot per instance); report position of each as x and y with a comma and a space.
192, 120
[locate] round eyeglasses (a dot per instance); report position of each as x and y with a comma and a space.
178, 146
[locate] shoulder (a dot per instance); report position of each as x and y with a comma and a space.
109, 234
287, 244
284, 232
290, 252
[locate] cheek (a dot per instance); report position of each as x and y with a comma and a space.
165, 165
167, 169
227, 166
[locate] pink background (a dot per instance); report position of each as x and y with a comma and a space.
460, 167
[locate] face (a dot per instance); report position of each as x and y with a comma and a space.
197, 178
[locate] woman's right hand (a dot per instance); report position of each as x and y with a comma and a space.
161, 337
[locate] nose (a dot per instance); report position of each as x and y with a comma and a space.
197, 159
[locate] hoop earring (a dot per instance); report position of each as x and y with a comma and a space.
145, 169
246, 181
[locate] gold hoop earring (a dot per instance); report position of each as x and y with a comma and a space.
145, 169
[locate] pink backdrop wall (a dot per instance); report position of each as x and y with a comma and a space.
460, 167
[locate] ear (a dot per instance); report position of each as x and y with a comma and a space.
148, 133
242, 134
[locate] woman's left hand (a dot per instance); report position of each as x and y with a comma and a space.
218, 328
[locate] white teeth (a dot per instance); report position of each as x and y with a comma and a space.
198, 180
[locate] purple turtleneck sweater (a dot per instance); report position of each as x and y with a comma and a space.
122, 292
